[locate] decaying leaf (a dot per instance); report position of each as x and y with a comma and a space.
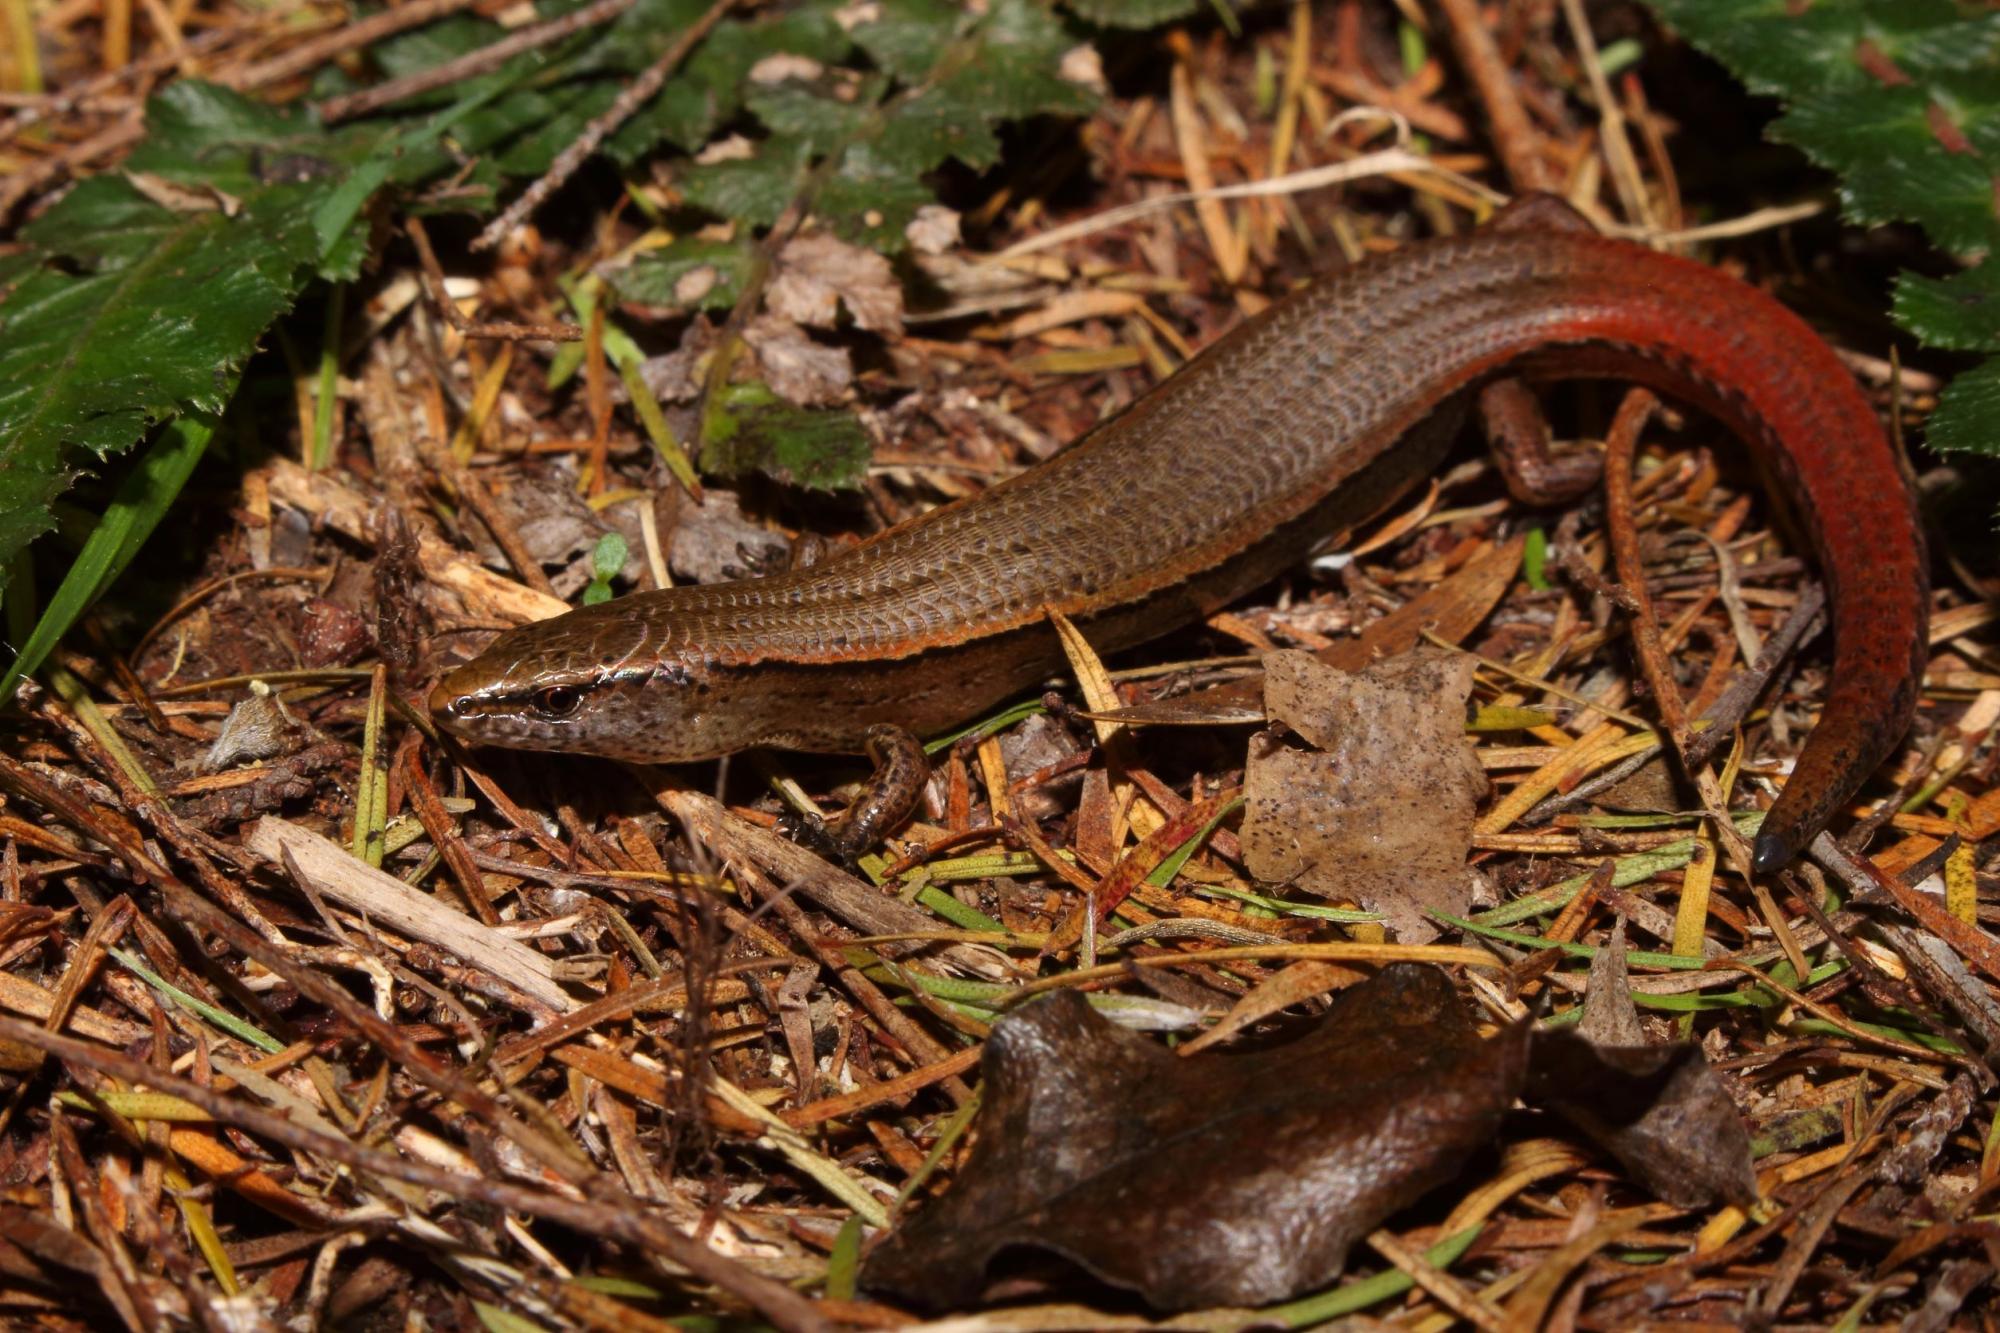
750, 428
713, 542
801, 370
1221, 1179
1652, 788
258, 727
1379, 810
818, 273
1660, 1110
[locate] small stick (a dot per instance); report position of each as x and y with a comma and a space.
471, 64
347, 37
506, 329
636, 94
1513, 136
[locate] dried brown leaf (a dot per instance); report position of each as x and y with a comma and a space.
1223, 1179
1659, 1109
1379, 810
798, 369
818, 273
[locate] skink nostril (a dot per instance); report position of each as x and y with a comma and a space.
444, 703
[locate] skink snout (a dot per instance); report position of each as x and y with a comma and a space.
448, 703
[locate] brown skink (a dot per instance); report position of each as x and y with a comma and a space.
1280, 434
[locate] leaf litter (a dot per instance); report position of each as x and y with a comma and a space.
1379, 809
652, 978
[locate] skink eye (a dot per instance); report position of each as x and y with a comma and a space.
558, 701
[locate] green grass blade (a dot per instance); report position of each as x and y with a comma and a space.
143, 499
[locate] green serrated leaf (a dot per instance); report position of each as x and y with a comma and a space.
751, 429
170, 301
141, 502
874, 209
750, 191
1961, 312
811, 29
918, 134
1016, 70
1897, 97
1792, 50
908, 37
708, 91
1132, 13
14, 267
1968, 416
1892, 167
814, 115
689, 273
87, 363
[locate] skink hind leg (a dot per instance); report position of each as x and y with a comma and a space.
1518, 433
1535, 473
901, 769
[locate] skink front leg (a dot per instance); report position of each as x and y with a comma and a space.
901, 770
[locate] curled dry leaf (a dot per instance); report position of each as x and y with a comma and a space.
1222, 1179
555, 526
331, 634
1653, 788
798, 369
1659, 1109
817, 272
257, 728
1378, 810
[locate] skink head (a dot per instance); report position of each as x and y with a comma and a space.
593, 681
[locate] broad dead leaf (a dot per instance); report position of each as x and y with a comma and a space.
1659, 1109
817, 273
1378, 808
1222, 1179
796, 367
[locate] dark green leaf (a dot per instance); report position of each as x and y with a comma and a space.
707, 275
1968, 415
752, 429
1795, 50
909, 36
688, 109
1898, 98
15, 267
872, 210
1893, 167
170, 302
87, 363
750, 191
812, 115
1132, 13
1016, 69
1961, 312
918, 134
